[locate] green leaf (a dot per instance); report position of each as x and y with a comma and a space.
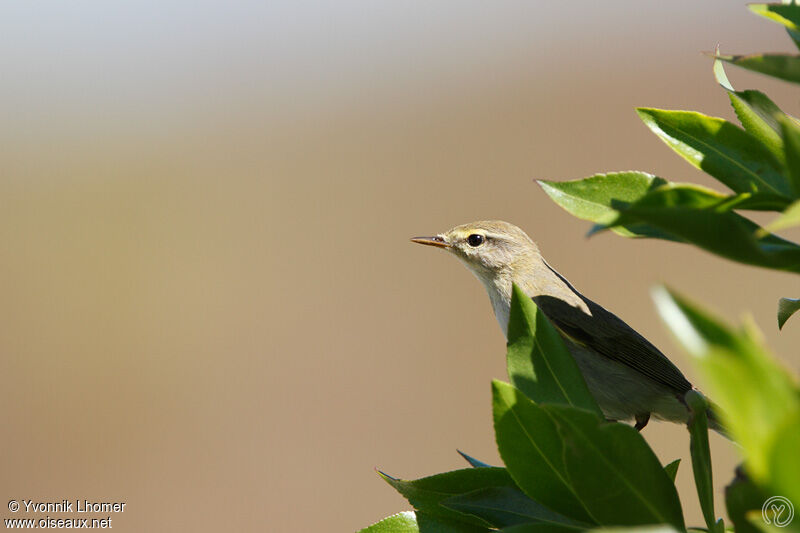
756, 394
537, 527
533, 452
784, 461
788, 219
795, 36
425, 494
785, 14
698, 216
761, 118
786, 308
742, 497
436, 524
701, 457
753, 202
719, 148
645, 529
581, 466
405, 522
538, 361
757, 113
474, 462
679, 212
791, 142
719, 71
598, 197
506, 506
782, 66
604, 197
672, 469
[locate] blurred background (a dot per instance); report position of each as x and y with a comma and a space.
210, 307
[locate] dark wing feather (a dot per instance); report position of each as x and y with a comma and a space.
608, 335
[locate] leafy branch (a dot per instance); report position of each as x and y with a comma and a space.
759, 162
565, 468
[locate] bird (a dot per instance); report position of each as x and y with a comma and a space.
629, 378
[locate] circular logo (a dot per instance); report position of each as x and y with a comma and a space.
777, 511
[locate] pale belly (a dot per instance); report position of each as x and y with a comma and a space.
621, 392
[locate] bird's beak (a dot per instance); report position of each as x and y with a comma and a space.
432, 241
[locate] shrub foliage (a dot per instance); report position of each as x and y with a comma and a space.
565, 468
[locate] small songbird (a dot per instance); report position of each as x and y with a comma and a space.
628, 376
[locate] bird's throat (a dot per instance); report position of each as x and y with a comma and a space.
499, 290
548, 283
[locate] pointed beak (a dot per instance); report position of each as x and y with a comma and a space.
432, 241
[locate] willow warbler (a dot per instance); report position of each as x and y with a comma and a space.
629, 377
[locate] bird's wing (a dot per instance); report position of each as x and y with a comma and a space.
606, 334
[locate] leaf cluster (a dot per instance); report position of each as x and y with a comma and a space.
567, 469
758, 162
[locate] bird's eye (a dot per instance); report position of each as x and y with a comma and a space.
475, 240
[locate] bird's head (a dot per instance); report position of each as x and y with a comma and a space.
489, 248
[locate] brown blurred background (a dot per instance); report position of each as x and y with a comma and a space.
210, 308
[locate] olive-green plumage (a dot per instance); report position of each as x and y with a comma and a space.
628, 376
